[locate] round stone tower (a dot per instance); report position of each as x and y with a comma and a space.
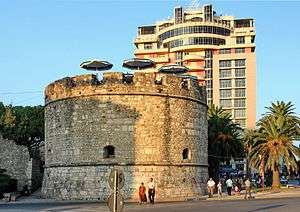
147, 125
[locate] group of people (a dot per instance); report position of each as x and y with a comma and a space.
151, 192
237, 186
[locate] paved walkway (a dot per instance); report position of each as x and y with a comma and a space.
35, 199
285, 193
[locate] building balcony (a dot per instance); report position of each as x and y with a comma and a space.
193, 57
145, 38
149, 51
161, 59
196, 67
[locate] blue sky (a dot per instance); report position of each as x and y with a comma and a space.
42, 41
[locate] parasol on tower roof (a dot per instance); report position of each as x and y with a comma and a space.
138, 63
96, 65
173, 69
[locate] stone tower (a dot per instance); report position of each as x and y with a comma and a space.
147, 125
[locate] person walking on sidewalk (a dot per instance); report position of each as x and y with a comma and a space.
211, 187
219, 186
229, 186
248, 189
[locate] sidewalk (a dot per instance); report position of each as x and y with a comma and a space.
286, 193
293, 192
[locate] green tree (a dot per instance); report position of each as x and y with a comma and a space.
249, 139
278, 128
24, 125
223, 139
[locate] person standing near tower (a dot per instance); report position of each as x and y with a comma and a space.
151, 190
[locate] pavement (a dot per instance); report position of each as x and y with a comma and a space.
287, 201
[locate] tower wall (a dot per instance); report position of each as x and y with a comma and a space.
149, 122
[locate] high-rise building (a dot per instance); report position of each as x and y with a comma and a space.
218, 50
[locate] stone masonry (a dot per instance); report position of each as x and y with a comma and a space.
15, 160
157, 125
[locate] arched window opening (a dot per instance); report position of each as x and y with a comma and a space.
185, 154
109, 152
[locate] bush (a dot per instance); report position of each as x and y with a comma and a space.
7, 184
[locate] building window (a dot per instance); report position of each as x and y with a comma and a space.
148, 46
193, 29
208, 63
225, 103
225, 51
225, 83
239, 72
209, 94
240, 50
225, 73
225, 63
240, 39
225, 93
209, 102
239, 63
252, 39
178, 55
208, 83
208, 54
240, 82
186, 154
240, 92
239, 103
241, 122
208, 73
240, 113
109, 152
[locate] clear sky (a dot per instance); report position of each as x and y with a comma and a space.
42, 41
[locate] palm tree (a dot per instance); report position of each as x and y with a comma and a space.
223, 139
249, 138
278, 128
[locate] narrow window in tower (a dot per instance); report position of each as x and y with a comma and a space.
186, 154
109, 152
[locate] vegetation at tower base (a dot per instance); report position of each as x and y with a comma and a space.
278, 128
24, 125
223, 139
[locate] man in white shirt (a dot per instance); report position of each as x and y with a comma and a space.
229, 186
248, 189
151, 190
211, 187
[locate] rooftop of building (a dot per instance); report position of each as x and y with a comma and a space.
196, 14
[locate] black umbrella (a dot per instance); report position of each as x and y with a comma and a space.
173, 69
138, 63
96, 65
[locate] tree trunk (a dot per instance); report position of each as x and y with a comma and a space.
262, 173
276, 179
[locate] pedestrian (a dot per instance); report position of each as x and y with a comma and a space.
151, 190
248, 189
142, 193
238, 186
229, 186
210, 187
219, 186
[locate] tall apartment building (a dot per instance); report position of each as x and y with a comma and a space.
218, 50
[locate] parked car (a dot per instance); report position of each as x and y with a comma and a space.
283, 180
293, 183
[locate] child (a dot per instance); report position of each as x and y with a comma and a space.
219, 186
